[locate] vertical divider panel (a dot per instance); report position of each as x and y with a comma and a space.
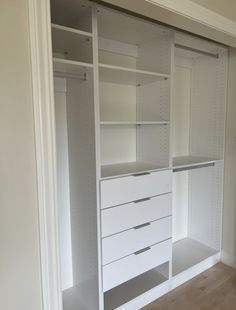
83, 188
97, 150
172, 58
205, 205
208, 106
84, 171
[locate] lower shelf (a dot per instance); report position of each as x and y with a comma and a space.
72, 300
187, 253
108, 171
131, 289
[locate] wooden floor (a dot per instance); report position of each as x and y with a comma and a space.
214, 289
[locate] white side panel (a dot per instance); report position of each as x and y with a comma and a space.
118, 144
155, 55
205, 205
135, 187
153, 101
181, 110
117, 102
180, 205
83, 195
63, 192
153, 144
208, 106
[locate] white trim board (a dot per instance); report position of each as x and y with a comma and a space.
43, 104
185, 15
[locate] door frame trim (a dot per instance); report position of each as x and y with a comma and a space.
44, 126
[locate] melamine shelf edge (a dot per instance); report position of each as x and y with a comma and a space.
72, 62
71, 30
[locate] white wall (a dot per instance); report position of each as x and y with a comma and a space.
229, 219
19, 239
226, 8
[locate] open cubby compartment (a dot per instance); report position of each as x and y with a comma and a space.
133, 43
71, 45
197, 216
130, 149
136, 101
72, 14
199, 96
135, 287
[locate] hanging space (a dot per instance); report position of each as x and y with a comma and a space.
198, 122
73, 66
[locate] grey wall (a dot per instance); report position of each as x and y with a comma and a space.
20, 287
229, 216
226, 8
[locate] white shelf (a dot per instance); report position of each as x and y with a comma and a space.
105, 123
127, 291
71, 30
187, 253
185, 162
72, 300
108, 171
70, 67
122, 75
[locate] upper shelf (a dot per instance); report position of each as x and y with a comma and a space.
182, 163
122, 169
71, 30
71, 68
122, 75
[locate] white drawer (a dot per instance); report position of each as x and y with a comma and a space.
126, 189
129, 215
125, 243
135, 264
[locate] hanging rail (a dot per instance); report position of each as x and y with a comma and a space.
204, 165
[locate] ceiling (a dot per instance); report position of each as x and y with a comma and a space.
226, 8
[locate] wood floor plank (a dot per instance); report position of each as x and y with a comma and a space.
214, 289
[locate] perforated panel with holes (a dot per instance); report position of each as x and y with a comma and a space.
208, 104
205, 205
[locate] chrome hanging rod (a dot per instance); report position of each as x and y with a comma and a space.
70, 75
193, 167
195, 50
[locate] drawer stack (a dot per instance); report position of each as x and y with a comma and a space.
136, 225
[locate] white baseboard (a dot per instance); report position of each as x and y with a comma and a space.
228, 259
194, 271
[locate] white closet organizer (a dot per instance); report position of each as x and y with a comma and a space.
140, 118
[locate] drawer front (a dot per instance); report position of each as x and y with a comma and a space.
131, 266
120, 245
127, 189
120, 218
